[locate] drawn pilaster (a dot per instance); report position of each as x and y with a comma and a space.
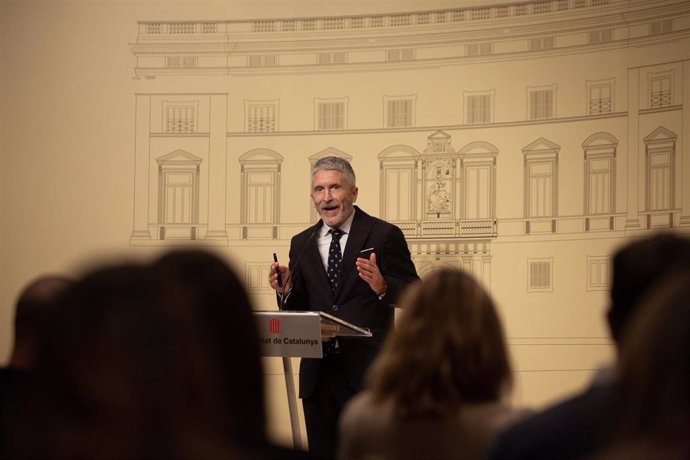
684, 149
635, 192
142, 131
217, 175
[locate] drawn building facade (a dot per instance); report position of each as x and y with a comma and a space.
522, 142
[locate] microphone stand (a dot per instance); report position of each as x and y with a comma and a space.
287, 361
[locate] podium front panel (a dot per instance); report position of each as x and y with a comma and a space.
283, 333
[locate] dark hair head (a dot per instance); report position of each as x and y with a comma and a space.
654, 368
36, 309
220, 306
337, 164
157, 360
637, 268
448, 348
105, 362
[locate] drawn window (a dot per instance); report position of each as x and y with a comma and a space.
600, 184
479, 49
181, 62
180, 117
332, 58
399, 183
261, 117
260, 205
660, 169
331, 114
660, 89
541, 43
600, 95
660, 179
478, 203
541, 187
262, 60
478, 164
260, 199
541, 178
540, 275
660, 27
600, 178
598, 273
178, 194
600, 36
479, 107
179, 187
403, 54
541, 103
399, 111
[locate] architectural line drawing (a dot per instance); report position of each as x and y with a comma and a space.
582, 142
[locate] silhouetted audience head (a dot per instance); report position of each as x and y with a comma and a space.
35, 311
637, 267
448, 348
154, 361
223, 314
654, 377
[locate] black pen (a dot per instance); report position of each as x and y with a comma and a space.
280, 280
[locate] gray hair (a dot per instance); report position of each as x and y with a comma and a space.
337, 164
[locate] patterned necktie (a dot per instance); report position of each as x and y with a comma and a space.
334, 258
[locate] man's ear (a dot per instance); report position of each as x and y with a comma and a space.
355, 191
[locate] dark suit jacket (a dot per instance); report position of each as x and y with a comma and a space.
353, 301
572, 429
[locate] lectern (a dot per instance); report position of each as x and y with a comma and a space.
289, 333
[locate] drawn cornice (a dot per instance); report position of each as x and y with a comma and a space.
466, 14
427, 41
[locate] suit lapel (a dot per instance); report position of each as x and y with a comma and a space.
314, 261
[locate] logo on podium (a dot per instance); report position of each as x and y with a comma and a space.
274, 325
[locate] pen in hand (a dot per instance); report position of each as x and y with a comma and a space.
280, 279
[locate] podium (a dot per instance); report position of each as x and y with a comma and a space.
290, 333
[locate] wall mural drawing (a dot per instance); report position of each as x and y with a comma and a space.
521, 142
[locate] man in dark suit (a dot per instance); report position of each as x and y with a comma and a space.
331, 270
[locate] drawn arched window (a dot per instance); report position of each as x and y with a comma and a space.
541, 178
399, 165
478, 163
660, 149
260, 185
178, 195
600, 173
330, 151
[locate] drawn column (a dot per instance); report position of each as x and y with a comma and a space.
683, 146
142, 131
217, 170
635, 193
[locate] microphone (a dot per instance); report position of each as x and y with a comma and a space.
291, 272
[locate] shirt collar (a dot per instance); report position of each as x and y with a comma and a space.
345, 227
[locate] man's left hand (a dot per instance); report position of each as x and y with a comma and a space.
369, 271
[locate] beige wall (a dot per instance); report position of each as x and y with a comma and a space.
83, 134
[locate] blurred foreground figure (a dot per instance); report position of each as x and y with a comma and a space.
653, 404
153, 361
435, 391
582, 424
35, 312
34, 315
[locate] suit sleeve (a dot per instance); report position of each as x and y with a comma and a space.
396, 265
